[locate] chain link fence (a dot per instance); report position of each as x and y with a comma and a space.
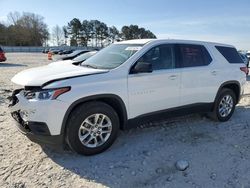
36, 49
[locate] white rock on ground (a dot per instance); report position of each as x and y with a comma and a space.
182, 165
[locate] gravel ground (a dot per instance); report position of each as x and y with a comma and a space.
218, 153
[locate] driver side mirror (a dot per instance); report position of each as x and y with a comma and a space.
142, 67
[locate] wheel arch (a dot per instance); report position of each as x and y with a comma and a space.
234, 86
111, 99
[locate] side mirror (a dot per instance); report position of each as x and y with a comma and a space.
142, 67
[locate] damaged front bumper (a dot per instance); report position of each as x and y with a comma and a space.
36, 131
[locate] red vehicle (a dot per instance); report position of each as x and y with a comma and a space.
2, 55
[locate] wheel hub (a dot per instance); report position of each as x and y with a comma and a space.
95, 130
226, 106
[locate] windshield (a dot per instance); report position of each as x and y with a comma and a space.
242, 56
112, 56
83, 57
75, 52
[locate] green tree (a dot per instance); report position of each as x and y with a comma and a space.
74, 29
102, 33
95, 30
99, 34
135, 32
65, 34
86, 32
113, 34
3, 34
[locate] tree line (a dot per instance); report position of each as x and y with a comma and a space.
97, 33
29, 29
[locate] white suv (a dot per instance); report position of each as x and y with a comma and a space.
126, 84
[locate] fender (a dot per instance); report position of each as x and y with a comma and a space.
101, 97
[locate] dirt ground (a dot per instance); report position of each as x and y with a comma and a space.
218, 153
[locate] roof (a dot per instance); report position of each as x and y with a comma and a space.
144, 41
136, 41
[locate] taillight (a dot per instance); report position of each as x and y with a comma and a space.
245, 70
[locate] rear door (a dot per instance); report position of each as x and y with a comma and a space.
199, 76
158, 90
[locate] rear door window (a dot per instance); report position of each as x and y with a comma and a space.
191, 55
230, 54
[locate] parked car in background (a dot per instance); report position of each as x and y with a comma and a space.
54, 50
60, 51
65, 52
51, 50
81, 58
244, 58
72, 55
77, 60
2, 55
46, 50
126, 84
248, 54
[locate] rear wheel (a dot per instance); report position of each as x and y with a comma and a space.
224, 105
92, 128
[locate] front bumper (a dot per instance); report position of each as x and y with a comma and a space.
36, 120
36, 131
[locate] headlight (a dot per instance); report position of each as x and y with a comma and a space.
46, 94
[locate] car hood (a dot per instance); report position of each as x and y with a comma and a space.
41, 75
56, 63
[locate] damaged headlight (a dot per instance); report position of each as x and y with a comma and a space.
46, 94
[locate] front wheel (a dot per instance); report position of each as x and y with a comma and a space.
92, 128
224, 105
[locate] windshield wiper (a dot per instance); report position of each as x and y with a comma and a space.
89, 66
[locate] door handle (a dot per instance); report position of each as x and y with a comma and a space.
172, 77
214, 72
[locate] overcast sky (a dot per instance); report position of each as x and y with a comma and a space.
226, 21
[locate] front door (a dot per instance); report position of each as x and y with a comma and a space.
159, 89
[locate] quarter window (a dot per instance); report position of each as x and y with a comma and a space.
193, 55
230, 54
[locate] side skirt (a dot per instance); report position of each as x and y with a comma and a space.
172, 112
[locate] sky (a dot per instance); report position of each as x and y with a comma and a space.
225, 21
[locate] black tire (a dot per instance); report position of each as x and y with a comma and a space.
215, 115
75, 120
